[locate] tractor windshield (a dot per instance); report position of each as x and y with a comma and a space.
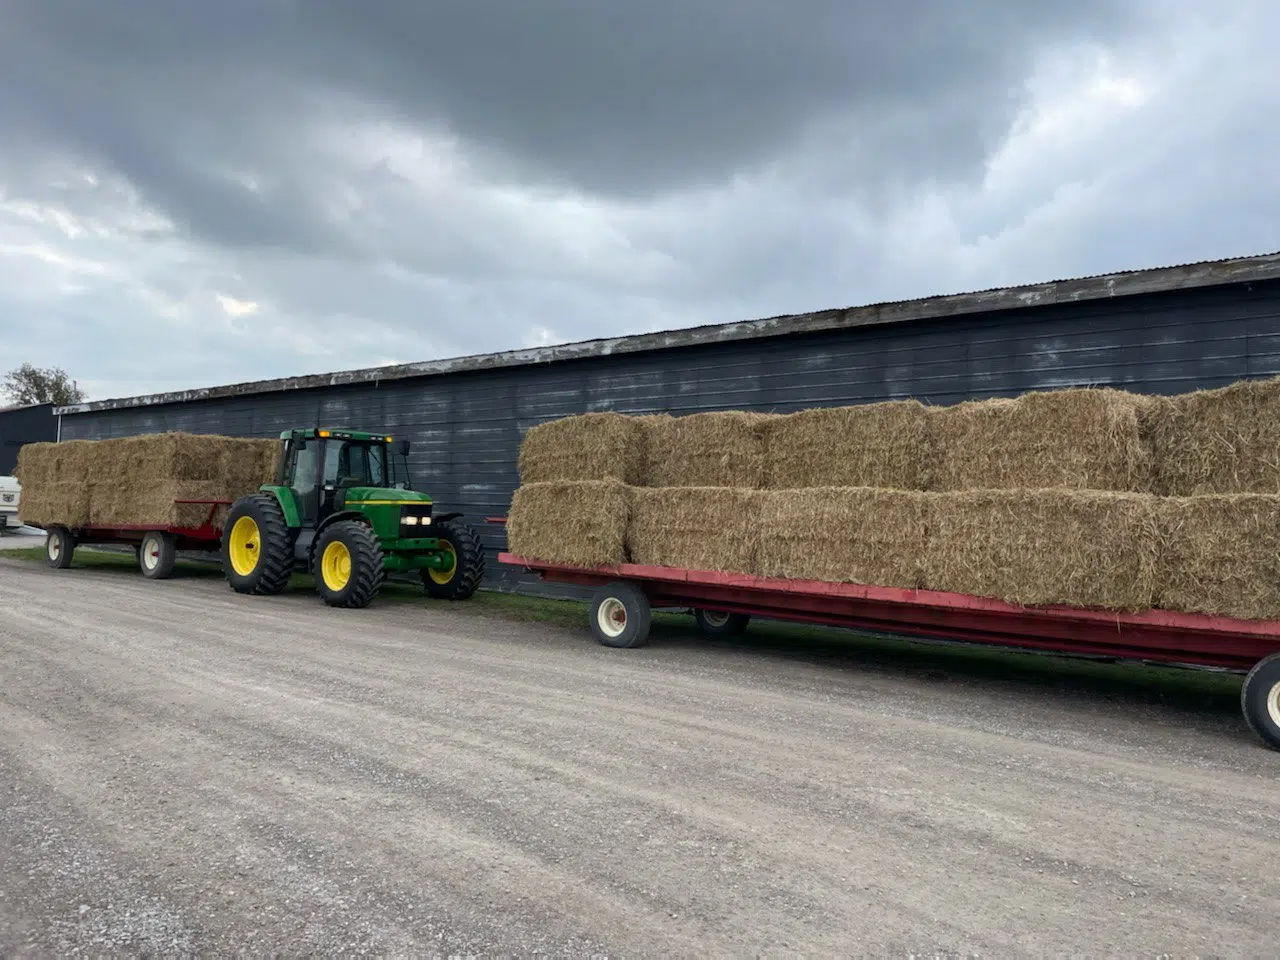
359, 463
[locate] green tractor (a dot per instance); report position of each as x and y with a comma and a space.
343, 509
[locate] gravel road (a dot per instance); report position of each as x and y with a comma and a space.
183, 770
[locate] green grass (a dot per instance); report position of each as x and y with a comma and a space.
960, 663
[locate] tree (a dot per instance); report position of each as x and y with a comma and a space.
29, 384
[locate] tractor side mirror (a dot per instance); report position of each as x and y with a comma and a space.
404, 446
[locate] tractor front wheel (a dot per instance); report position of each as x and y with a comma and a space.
257, 548
462, 574
348, 565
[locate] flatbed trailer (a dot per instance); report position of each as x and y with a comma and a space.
156, 546
723, 603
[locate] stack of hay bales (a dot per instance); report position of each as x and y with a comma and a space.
136, 481
1080, 497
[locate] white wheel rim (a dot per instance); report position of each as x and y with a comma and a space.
55, 548
150, 553
1273, 703
611, 616
715, 619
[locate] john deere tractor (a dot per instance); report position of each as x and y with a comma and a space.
343, 509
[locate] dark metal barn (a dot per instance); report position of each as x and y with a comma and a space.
1167, 330
19, 425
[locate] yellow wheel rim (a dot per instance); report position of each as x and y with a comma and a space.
245, 544
442, 577
335, 565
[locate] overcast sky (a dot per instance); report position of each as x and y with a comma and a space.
195, 193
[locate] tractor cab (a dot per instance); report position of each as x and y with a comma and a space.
343, 508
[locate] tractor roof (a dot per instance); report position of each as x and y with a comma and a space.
337, 433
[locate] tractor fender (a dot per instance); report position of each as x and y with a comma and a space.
445, 517
328, 522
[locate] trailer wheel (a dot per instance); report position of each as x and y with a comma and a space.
348, 565
717, 624
257, 548
1260, 700
59, 547
157, 555
620, 615
459, 581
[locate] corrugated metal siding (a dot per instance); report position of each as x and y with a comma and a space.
466, 428
25, 425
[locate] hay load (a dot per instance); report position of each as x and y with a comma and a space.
579, 522
1078, 439
1221, 441
844, 535
721, 449
134, 481
593, 446
871, 445
1221, 555
698, 528
1043, 547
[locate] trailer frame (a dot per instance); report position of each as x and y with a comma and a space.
1163, 637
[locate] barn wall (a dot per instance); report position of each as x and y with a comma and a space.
24, 425
466, 427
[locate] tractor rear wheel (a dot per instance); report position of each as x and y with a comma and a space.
257, 546
348, 565
459, 580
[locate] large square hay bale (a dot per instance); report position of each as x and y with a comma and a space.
844, 535
697, 528
1079, 439
592, 446
579, 522
1218, 441
870, 445
153, 503
56, 502
720, 449
1221, 555
35, 463
1042, 547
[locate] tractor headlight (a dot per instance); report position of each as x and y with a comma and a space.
410, 521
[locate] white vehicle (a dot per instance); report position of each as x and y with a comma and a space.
10, 494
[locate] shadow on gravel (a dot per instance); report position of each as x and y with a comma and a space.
1098, 681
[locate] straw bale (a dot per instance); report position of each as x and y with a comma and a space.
720, 449
1221, 555
1218, 441
698, 528
844, 535
152, 503
1080, 548
1078, 439
580, 522
35, 463
869, 445
592, 446
50, 503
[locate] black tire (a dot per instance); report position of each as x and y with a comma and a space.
468, 568
717, 624
1260, 700
157, 555
272, 551
620, 615
362, 578
59, 547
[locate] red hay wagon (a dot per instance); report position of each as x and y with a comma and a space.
723, 603
156, 546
